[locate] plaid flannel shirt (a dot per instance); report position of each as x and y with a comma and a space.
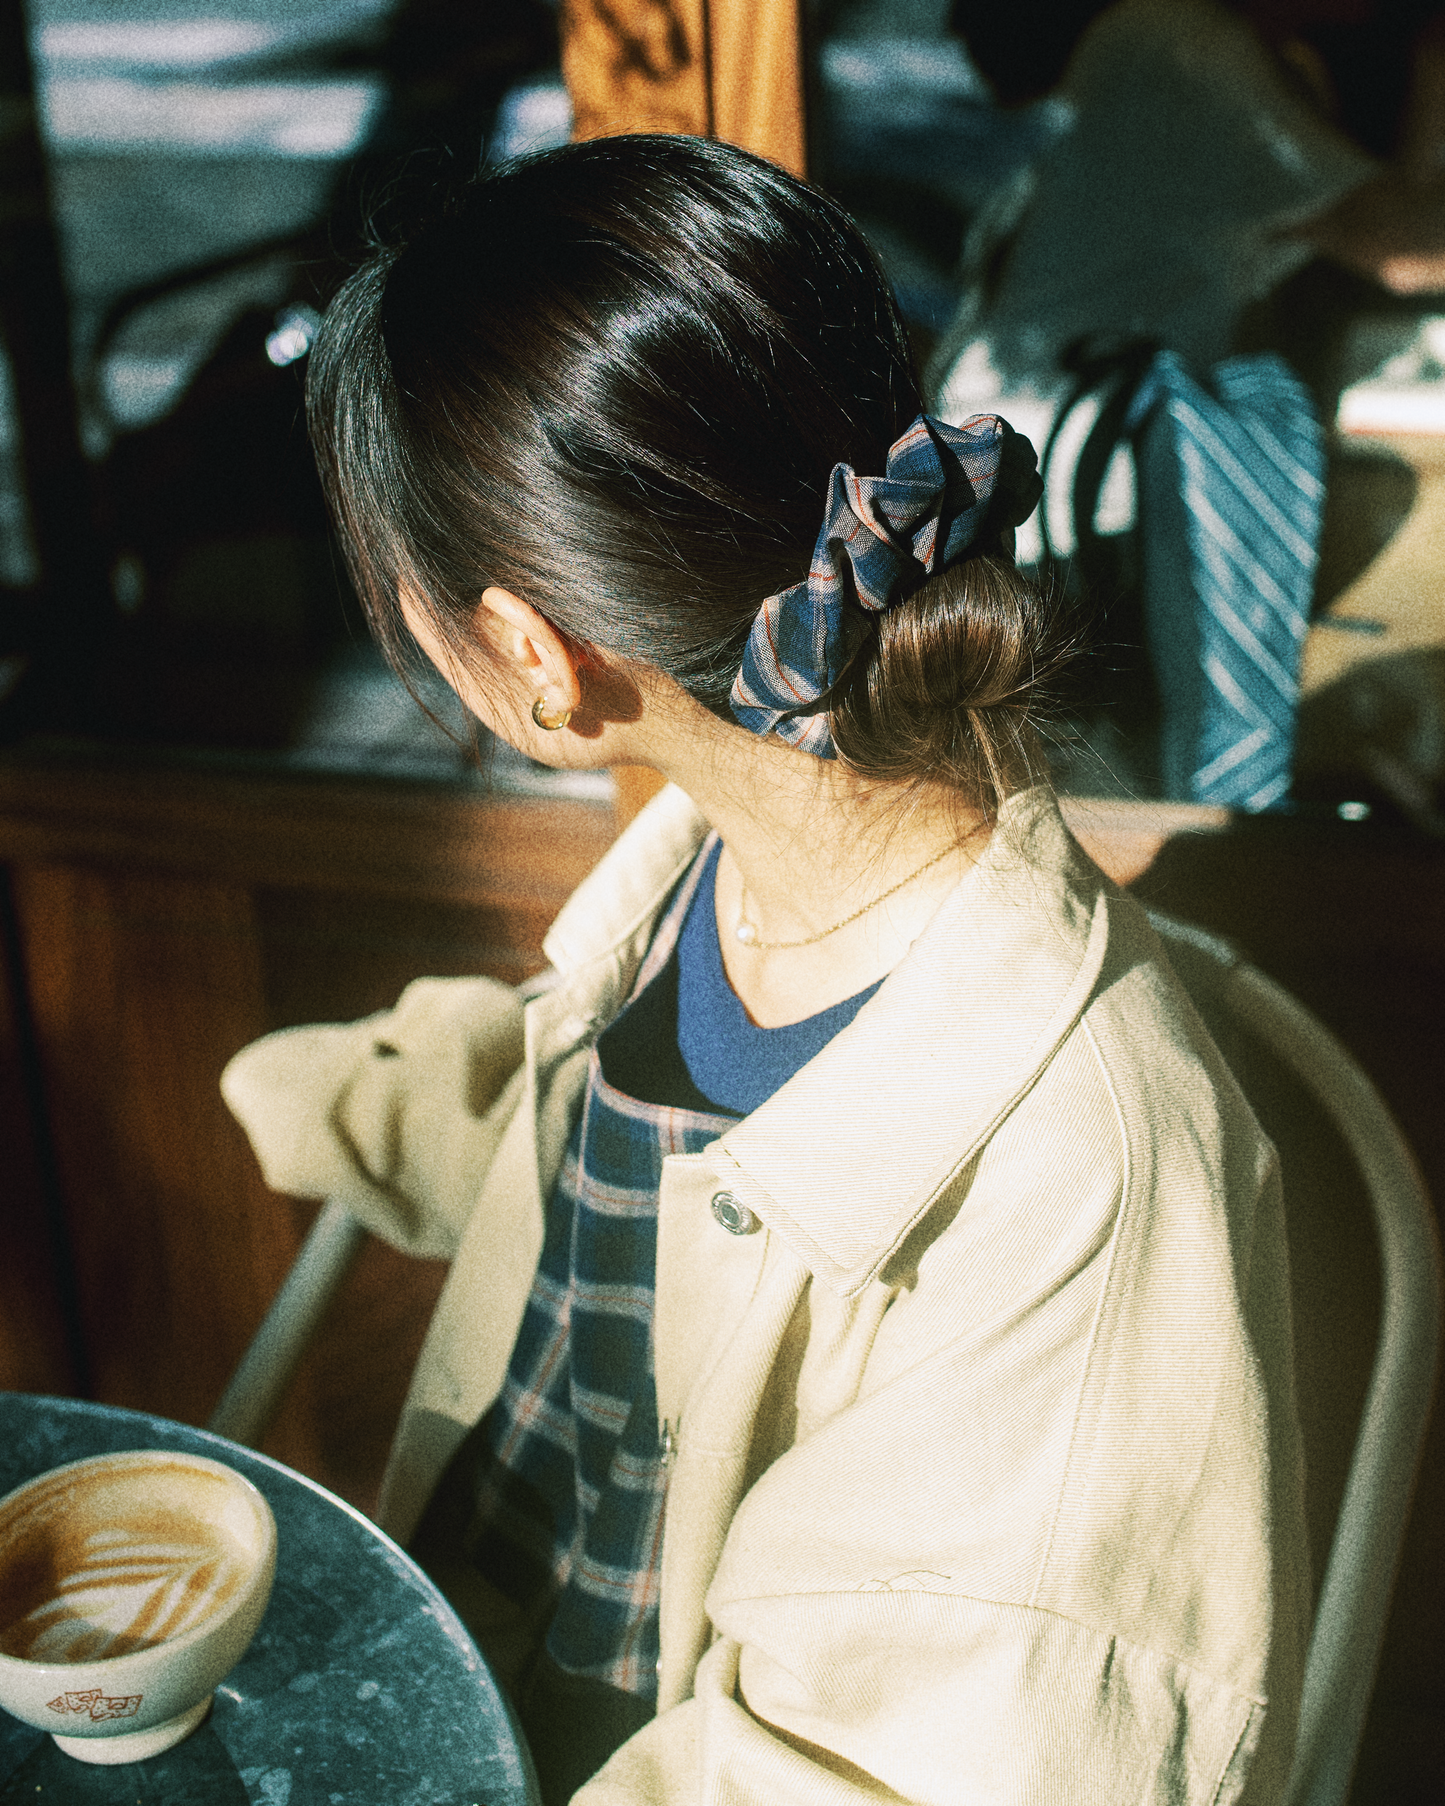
570, 1502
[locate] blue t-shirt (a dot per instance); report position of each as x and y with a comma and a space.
688, 1041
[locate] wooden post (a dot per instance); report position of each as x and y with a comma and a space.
729, 69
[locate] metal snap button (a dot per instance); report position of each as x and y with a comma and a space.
735, 1217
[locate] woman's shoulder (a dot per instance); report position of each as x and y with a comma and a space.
1127, 1065
1152, 1023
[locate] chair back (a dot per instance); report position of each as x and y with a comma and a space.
1365, 1274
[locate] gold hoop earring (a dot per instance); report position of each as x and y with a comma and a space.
551, 723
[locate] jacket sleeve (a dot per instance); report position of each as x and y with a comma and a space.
397, 1116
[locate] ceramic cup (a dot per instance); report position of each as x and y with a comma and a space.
130, 1586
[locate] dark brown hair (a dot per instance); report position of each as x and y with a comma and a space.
614, 379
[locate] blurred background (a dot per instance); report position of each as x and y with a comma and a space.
1136, 229
196, 176
204, 175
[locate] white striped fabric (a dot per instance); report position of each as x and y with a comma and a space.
1231, 496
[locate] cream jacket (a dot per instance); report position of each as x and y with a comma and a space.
986, 1483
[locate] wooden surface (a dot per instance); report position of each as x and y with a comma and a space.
35, 1355
141, 986
755, 63
729, 69
162, 919
636, 66
380, 839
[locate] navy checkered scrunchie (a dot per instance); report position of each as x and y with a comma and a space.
881, 537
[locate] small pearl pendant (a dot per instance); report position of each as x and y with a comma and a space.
745, 932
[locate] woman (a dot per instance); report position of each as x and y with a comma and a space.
864, 1372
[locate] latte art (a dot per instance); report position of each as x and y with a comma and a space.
127, 1565
131, 1584
123, 1592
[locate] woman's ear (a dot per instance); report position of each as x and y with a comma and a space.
533, 646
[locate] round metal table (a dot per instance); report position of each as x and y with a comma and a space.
361, 1688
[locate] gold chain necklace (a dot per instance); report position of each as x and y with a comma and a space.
747, 932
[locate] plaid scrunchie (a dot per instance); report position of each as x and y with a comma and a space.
881, 537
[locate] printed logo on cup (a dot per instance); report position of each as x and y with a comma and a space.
94, 1704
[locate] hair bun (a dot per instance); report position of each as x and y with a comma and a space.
957, 682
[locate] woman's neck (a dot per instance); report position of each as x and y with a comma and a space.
807, 847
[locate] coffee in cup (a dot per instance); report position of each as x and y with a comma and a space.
130, 1585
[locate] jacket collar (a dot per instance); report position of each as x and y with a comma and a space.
908, 1093
610, 916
